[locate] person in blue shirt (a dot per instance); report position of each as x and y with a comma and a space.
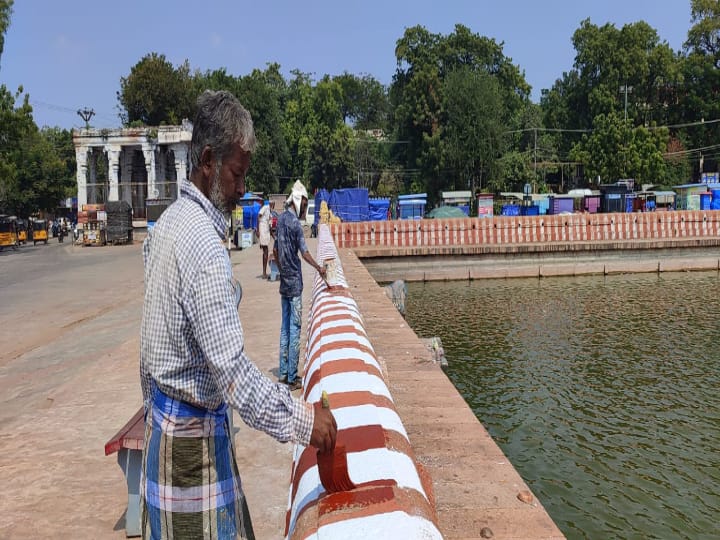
289, 242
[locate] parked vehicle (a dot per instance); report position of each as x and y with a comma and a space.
22, 230
39, 229
8, 232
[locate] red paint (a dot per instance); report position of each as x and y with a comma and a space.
344, 344
345, 500
333, 470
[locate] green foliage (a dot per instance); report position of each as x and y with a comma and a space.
473, 134
425, 62
156, 93
364, 101
703, 35
321, 144
678, 168
5, 13
608, 59
616, 150
458, 114
390, 182
37, 168
261, 92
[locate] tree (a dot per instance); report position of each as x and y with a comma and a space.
5, 13
298, 123
261, 93
16, 124
606, 60
44, 179
678, 166
321, 144
701, 77
365, 101
36, 167
703, 36
616, 150
156, 93
424, 61
331, 140
473, 134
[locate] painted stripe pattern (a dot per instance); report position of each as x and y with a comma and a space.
501, 230
393, 497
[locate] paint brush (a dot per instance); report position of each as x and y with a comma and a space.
332, 465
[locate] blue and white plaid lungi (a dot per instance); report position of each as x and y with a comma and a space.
190, 486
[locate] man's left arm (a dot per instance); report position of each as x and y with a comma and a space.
309, 259
302, 245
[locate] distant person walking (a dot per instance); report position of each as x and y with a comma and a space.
263, 231
291, 241
193, 360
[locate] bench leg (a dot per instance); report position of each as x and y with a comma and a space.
130, 462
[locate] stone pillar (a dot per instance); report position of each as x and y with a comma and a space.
81, 158
181, 160
160, 177
113, 154
148, 150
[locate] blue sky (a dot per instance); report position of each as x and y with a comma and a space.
71, 54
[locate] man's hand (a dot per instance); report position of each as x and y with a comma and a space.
324, 429
322, 271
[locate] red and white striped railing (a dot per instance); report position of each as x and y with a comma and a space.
393, 494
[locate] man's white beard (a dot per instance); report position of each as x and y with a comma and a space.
217, 198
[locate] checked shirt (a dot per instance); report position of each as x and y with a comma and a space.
192, 344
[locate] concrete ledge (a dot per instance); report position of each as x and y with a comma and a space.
537, 263
367, 252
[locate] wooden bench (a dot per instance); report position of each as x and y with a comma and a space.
128, 443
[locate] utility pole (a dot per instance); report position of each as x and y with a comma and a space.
535, 161
702, 158
86, 114
625, 88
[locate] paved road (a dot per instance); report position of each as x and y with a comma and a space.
56, 291
69, 345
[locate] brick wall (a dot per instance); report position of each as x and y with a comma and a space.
502, 230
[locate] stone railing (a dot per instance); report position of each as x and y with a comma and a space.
393, 495
503, 231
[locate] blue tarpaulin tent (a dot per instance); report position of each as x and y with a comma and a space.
379, 209
251, 207
350, 204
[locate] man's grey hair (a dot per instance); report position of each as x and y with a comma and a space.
220, 122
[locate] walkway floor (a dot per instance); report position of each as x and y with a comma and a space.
69, 327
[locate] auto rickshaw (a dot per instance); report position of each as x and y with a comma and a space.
39, 231
8, 232
22, 230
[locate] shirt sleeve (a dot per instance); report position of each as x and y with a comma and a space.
145, 377
262, 404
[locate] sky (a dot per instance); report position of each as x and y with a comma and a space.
71, 54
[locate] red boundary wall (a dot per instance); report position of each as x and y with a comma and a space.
506, 230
